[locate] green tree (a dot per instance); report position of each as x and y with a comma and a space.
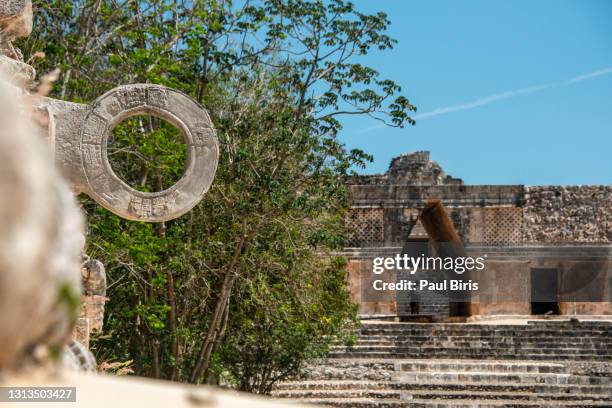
246, 284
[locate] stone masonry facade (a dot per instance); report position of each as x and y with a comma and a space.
555, 214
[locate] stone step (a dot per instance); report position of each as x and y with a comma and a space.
379, 369
559, 339
443, 365
474, 403
464, 332
338, 393
462, 327
463, 365
351, 369
548, 339
602, 339
477, 328
496, 332
480, 366
455, 328
591, 323
494, 344
502, 338
477, 344
362, 364
607, 325
438, 395
433, 350
463, 354
496, 378
436, 350
450, 386
474, 351
504, 395
602, 325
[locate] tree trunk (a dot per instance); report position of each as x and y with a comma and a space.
155, 364
172, 324
228, 282
219, 338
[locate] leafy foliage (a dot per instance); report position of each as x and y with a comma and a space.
147, 152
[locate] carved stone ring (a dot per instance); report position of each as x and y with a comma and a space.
81, 149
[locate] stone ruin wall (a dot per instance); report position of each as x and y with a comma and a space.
568, 214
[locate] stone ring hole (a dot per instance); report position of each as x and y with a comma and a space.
147, 152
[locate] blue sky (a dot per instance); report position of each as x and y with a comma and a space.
508, 92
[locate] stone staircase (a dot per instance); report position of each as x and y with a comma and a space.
464, 365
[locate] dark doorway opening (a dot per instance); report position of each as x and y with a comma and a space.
410, 306
544, 291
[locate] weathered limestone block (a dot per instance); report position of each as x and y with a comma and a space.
81, 331
93, 279
92, 309
415, 169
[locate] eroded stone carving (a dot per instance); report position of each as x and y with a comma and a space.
93, 278
417, 169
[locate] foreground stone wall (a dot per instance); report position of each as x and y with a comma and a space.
41, 238
568, 214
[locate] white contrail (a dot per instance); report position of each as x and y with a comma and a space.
500, 96
484, 101
590, 75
